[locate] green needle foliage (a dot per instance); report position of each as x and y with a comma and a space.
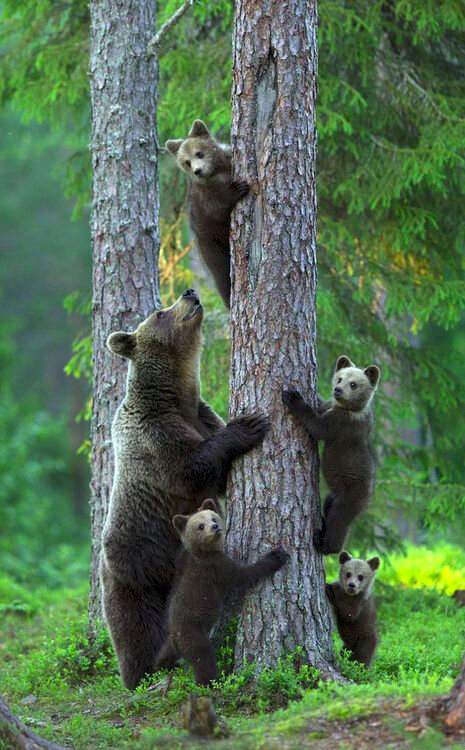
391, 184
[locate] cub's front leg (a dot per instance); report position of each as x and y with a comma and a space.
317, 425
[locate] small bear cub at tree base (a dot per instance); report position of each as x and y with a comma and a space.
354, 607
204, 575
348, 461
211, 197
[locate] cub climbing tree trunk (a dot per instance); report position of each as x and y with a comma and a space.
125, 239
273, 493
14, 735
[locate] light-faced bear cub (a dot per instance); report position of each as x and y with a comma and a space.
344, 424
171, 452
205, 574
211, 198
354, 607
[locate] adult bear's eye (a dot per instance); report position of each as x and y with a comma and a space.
360, 578
201, 526
353, 385
348, 575
161, 314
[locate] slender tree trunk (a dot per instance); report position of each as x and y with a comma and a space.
124, 218
15, 735
273, 495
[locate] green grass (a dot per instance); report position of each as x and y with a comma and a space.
75, 696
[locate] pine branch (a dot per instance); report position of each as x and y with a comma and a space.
155, 42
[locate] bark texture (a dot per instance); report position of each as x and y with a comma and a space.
124, 218
15, 735
454, 716
273, 493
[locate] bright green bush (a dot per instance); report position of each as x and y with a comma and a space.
441, 567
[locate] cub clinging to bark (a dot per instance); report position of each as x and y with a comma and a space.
211, 198
344, 424
205, 575
171, 452
353, 606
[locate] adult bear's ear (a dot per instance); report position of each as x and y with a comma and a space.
209, 504
373, 562
344, 557
122, 343
372, 372
342, 362
180, 523
173, 146
198, 129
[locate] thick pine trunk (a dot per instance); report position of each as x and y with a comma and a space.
15, 735
273, 495
454, 706
124, 218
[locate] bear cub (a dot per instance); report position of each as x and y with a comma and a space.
204, 575
348, 462
354, 607
211, 197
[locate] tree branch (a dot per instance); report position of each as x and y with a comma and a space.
155, 42
18, 736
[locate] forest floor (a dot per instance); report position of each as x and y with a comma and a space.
68, 690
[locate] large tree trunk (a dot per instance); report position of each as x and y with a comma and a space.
273, 495
124, 218
15, 735
454, 705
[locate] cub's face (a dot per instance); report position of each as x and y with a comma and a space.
203, 531
199, 155
354, 388
175, 330
356, 576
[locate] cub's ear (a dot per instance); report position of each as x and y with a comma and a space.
372, 372
344, 557
342, 362
209, 504
173, 146
122, 343
373, 562
198, 129
179, 523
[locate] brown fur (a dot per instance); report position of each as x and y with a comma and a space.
211, 198
354, 607
348, 462
171, 452
206, 574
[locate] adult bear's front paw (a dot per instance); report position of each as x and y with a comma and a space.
252, 427
278, 557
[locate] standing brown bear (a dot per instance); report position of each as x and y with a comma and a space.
171, 452
205, 573
211, 198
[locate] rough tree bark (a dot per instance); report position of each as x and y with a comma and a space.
124, 218
454, 705
15, 735
273, 494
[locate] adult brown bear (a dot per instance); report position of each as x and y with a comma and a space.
171, 452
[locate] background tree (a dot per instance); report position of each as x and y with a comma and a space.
124, 218
273, 492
